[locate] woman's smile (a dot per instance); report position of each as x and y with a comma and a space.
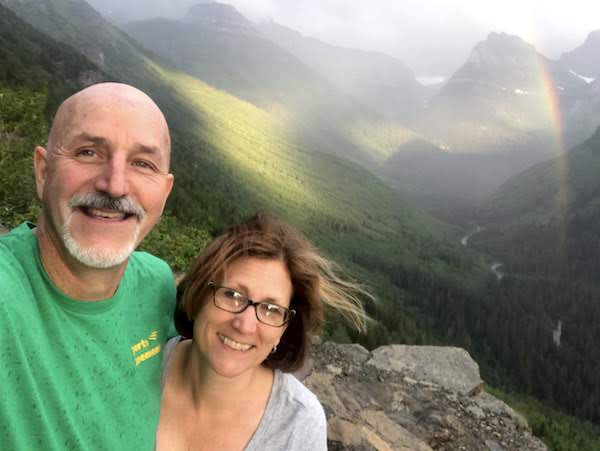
231, 343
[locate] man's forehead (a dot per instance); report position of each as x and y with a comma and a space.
93, 113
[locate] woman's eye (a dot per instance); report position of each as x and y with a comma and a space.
273, 310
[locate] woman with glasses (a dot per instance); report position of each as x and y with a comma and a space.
247, 311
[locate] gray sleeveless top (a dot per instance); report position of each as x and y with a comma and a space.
293, 420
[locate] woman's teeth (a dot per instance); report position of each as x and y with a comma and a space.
233, 344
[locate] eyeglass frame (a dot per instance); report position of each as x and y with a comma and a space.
249, 302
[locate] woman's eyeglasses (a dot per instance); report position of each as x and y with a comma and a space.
233, 301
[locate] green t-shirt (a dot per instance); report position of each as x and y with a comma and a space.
80, 375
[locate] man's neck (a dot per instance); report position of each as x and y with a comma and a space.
70, 276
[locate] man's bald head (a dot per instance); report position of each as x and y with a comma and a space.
104, 178
108, 96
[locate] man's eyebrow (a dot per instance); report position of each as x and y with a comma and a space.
84, 136
153, 150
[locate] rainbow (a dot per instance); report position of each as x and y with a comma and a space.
550, 96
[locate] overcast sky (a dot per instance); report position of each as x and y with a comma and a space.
434, 37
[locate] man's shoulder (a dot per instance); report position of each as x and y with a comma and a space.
20, 233
13, 245
16, 261
148, 261
150, 267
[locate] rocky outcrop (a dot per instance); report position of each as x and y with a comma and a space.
3, 230
410, 398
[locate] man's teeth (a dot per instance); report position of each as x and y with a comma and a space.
106, 214
234, 344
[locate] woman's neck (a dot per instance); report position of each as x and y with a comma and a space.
213, 391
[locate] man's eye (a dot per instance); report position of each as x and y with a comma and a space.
86, 153
143, 164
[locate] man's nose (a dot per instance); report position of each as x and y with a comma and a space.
113, 178
246, 321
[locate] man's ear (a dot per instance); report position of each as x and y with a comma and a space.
40, 164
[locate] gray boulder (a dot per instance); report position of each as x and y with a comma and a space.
410, 398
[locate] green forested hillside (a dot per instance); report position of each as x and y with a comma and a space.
542, 226
556, 202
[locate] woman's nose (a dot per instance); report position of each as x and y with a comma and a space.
246, 322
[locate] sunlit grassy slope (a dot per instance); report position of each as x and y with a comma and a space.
257, 151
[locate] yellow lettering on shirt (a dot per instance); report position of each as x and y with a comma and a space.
142, 345
146, 355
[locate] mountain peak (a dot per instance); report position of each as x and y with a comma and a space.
503, 60
502, 49
585, 59
593, 38
213, 13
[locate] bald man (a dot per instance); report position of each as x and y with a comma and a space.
82, 316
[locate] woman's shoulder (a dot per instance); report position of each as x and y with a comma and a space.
167, 356
297, 394
294, 419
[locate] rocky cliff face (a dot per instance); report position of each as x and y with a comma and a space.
410, 398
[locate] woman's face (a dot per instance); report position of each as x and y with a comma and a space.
234, 343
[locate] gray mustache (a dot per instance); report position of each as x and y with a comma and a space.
102, 201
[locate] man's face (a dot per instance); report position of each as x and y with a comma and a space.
105, 181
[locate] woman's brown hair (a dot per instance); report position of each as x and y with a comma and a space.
315, 283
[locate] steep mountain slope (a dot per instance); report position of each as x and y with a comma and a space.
551, 190
584, 59
542, 225
584, 115
36, 72
231, 158
120, 12
382, 82
218, 45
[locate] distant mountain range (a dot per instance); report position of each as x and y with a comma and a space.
384, 84
508, 104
